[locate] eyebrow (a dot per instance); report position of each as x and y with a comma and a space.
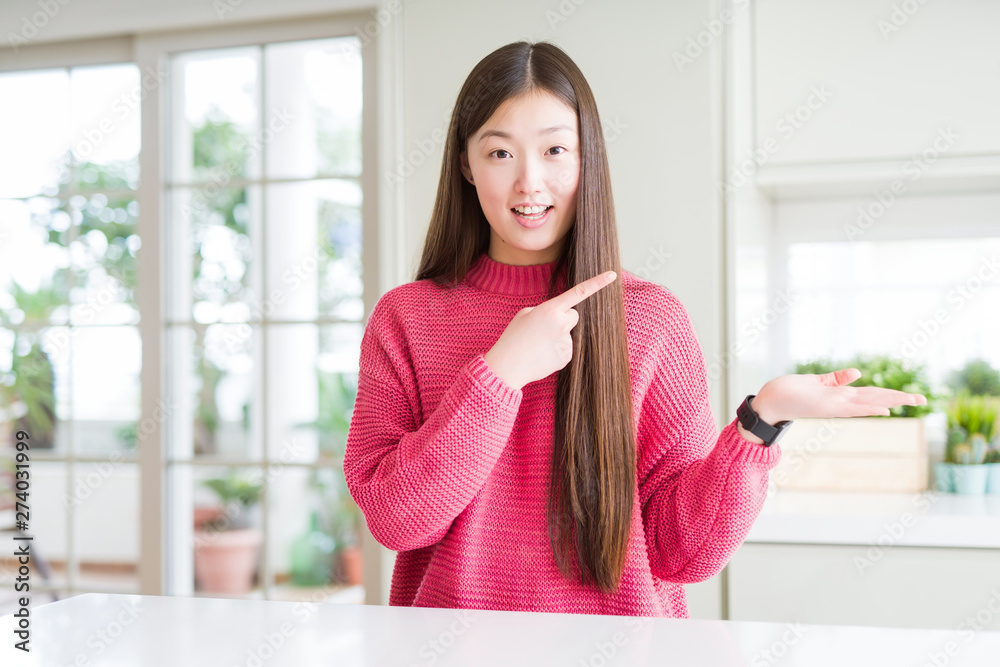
503, 135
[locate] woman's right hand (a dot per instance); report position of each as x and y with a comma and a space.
537, 342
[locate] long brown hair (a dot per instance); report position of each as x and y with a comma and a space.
593, 457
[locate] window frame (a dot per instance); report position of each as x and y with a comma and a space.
382, 234
159, 574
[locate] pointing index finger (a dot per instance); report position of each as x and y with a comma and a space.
581, 291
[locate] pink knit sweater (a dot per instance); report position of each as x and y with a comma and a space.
450, 465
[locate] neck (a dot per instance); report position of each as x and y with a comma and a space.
504, 253
498, 277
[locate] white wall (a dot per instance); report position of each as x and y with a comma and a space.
893, 77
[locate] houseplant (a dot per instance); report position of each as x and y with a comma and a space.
27, 391
342, 521
340, 516
878, 454
976, 378
992, 462
972, 422
226, 539
312, 556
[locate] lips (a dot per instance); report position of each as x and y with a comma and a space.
532, 222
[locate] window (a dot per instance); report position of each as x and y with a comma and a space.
227, 347
264, 309
70, 353
934, 302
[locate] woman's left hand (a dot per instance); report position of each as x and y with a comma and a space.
809, 395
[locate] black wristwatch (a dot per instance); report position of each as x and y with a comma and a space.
760, 428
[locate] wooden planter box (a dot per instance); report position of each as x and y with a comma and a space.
858, 454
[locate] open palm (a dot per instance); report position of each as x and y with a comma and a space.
808, 395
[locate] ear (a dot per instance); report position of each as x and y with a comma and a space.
466, 171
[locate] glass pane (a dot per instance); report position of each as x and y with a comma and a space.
212, 241
928, 301
106, 390
212, 402
314, 265
34, 132
105, 126
216, 135
227, 536
34, 386
103, 254
313, 108
34, 261
105, 501
314, 561
310, 424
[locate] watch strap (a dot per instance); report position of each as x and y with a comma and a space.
752, 422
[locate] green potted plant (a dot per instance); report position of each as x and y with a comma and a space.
30, 391
27, 391
347, 520
312, 555
226, 539
992, 463
877, 454
341, 516
976, 378
340, 519
972, 422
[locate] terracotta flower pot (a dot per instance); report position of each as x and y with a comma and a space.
225, 561
203, 515
350, 566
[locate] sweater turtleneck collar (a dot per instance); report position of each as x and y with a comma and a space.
492, 276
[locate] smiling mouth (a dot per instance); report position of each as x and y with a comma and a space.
536, 216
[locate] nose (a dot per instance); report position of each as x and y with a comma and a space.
530, 175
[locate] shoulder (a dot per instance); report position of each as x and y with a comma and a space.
662, 335
652, 308
392, 326
396, 303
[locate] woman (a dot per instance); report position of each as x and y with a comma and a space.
525, 446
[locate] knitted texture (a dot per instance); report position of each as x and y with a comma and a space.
450, 465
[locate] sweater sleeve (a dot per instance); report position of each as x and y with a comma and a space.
412, 480
700, 490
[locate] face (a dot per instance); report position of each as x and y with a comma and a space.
527, 153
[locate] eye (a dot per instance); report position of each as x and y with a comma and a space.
560, 147
500, 150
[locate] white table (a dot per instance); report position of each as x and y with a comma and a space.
150, 631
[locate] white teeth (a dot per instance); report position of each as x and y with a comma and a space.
530, 210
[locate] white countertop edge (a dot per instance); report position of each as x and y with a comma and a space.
928, 519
